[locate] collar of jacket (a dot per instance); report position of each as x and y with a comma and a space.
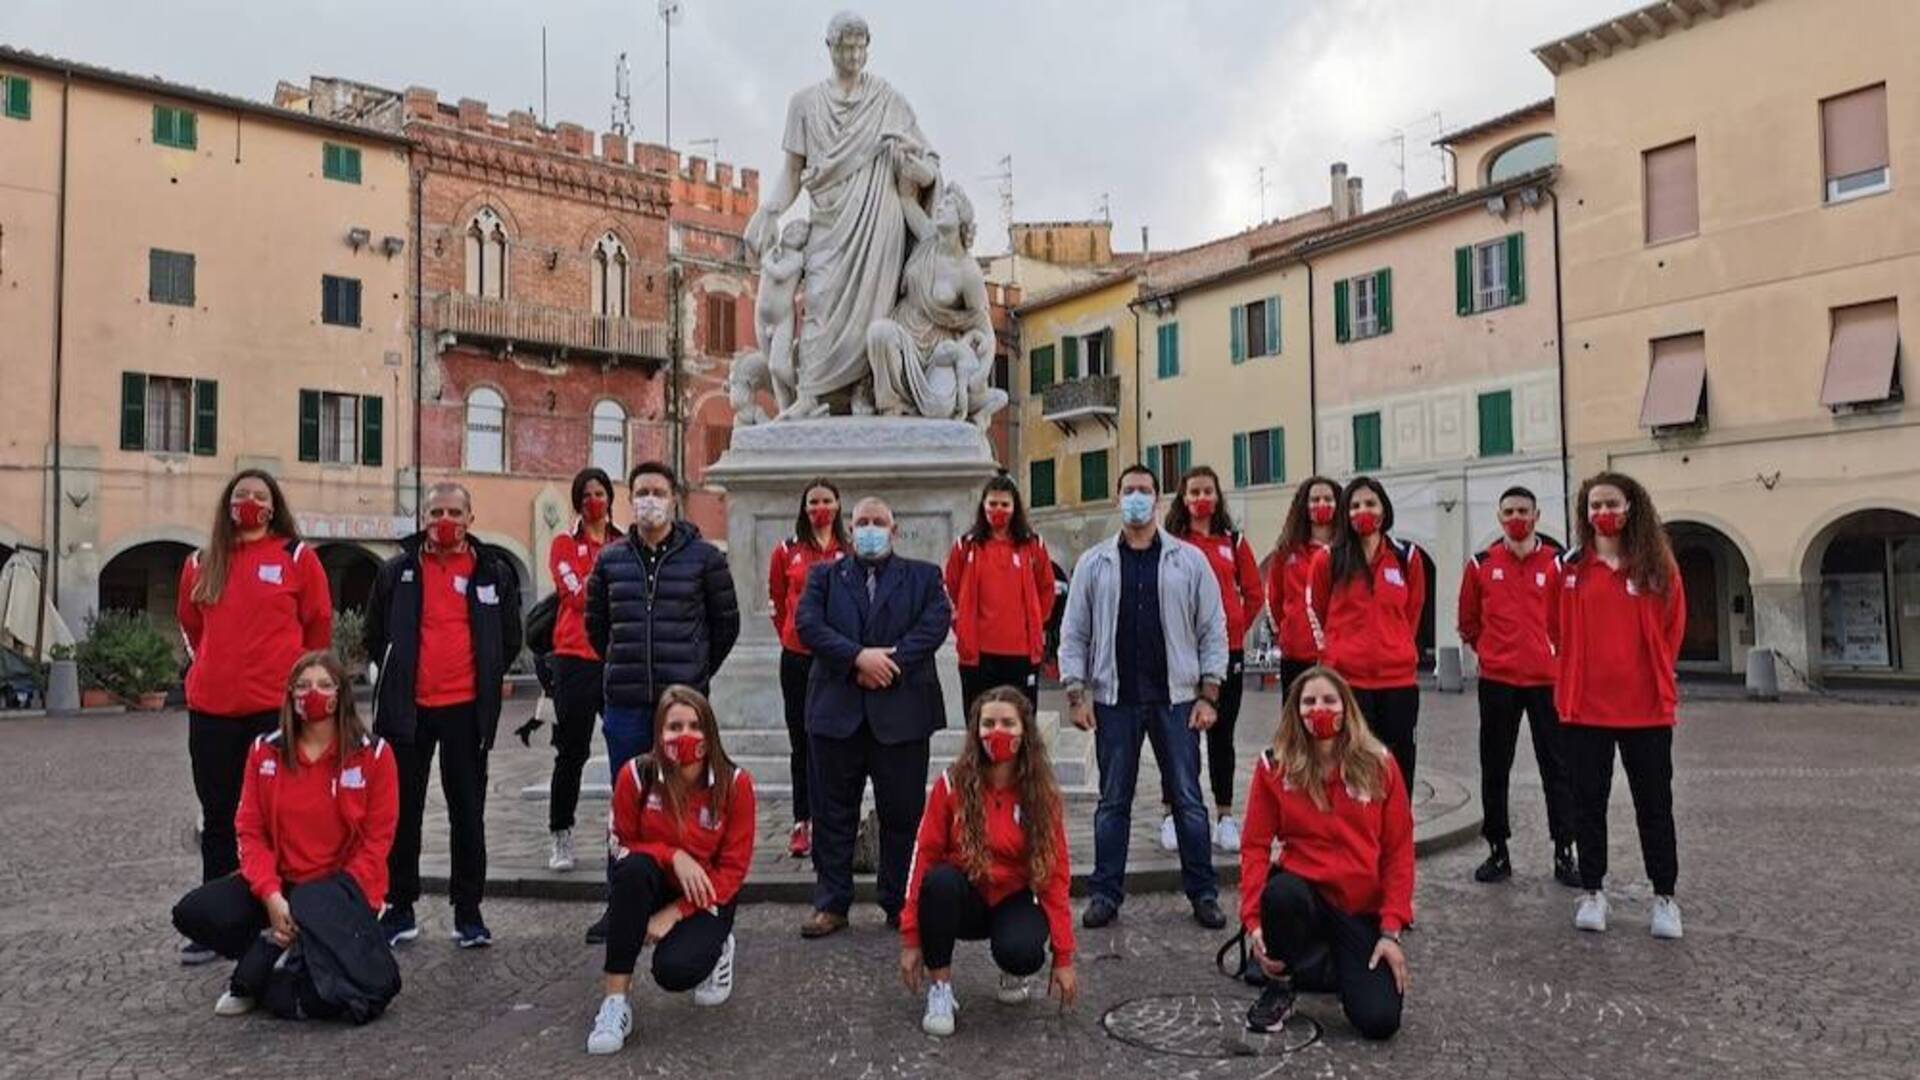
682, 534
414, 545
579, 530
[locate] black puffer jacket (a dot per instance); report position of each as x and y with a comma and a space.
672, 623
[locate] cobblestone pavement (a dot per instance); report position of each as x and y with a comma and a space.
1800, 845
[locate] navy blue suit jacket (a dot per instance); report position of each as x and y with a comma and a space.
909, 613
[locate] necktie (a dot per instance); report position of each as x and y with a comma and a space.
873, 577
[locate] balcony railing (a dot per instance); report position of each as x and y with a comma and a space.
515, 322
1096, 397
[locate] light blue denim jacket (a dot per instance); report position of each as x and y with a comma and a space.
1193, 621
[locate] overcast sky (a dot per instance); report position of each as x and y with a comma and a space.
1166, 111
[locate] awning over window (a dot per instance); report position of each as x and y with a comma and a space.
1677, 383
1862, 354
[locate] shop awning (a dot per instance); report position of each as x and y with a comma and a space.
1677, 383
1862, 354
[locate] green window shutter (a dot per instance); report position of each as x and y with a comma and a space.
1185, 455
1273, 326
1106, 350
1093, 476
353, 165
309, 425
329, 161
206, 417
1160, 351
1383, 285
133, 410
1039, 369
159, 288
189, 129
1040, 483
19, 97
1236, 334
1366, 441
352, 287
1496, 423
1463, 280
1173, 340
1516, 268
162, 125
1069, 359
1342, 326
372, 430
1276, 456
1239, 459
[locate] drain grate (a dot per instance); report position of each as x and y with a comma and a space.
1202, 1026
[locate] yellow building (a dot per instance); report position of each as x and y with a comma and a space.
192, 283
1741, 233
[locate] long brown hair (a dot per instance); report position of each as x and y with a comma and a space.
1645, 553
803, 525
1039, 793
1297, 530
349, 731
1359, 755
1180, 519
211, 579
1349, 558
666, 774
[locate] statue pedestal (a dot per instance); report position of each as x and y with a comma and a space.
929, 471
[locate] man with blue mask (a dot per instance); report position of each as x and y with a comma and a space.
1143, 651
873, 623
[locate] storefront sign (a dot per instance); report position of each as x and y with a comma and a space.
1853, 620
355, 527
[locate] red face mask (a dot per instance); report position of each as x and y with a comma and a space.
998, 516
686, 750
1517, 529
1608, 522
1200, 509
1320, 513
1322, 722
1364, 522
316, 705
1000, 745
594, 508
249, 514
822, 516
444, 532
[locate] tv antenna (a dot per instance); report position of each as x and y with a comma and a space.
1106, 208
671, 12
1003, 186
622, 123
1263, 194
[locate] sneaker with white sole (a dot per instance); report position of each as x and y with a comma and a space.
1169, 837
193, 954
1226, 834
717, 987
232, 1004
1666, 918
611, 1026
1014, 990
1591, 913
941, 1006
560, 850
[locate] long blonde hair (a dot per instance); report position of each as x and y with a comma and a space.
1039, 793
1359, 756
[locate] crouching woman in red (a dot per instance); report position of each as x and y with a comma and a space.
683, 829
1327, 914
990, 863
320, 800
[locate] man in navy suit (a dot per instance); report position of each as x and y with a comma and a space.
874, 623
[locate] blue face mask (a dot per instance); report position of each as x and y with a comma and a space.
1136, 508
871, 541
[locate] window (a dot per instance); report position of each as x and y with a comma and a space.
168, 415
1366, 441
1522, 157
1169, 462
341, 429
1853, 140
1040, 484
1496, 423
339, 300
1096, 347
1039, 369
1676, 384
340, 162
1001, 374
1363, 306
1168, 364
721, 340
19, 96
1093, 476
1863, 356
1253, 329
486, 431
486, 249
169, 277
1672, 192
1489, 275
1259, 457
178, 128
609, 449
609, 277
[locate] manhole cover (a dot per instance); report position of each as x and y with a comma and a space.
1202, 1026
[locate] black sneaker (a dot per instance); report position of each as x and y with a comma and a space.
1206, 912
398, 925
193, 954
1274, 1008
1100, 912
1497, 867
1566, 870
597, 933
469, 932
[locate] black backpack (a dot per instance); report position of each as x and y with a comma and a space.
540, 621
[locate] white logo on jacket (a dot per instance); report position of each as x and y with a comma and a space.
707, 820
353, 778
1499, 574
460, 584
271, 573
1540, 580
1395, 577
269, 766
488, 594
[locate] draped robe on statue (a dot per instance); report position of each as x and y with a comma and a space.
859, 239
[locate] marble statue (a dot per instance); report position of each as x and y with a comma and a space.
773, 308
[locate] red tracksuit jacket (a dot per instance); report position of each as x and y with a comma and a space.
1368, 634
1241, 591
1288, 574
1358, 852
1027, 588
1618, 646
787, 582
297, 825
274, 607
570, 560
722, 847
1007, 872
1507, 608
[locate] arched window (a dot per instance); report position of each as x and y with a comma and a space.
1522, 157
487, 255
609, 450
609, 277
486, 431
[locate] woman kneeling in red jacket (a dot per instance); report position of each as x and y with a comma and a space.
990, 862
1330, 918
683, 828
320, 797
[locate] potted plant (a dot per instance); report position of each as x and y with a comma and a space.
349, 640
128, 658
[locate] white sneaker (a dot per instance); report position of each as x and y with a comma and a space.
232, 1004
1169, 838
611, 1027
560, 852
940, 1009
717, 987
1666, 918
1014, 990
1226, 834
1591, 913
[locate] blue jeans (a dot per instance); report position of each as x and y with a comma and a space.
629, 733
1116, 745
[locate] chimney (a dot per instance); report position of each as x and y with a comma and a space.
1354, 206
1337, 204
473, 114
